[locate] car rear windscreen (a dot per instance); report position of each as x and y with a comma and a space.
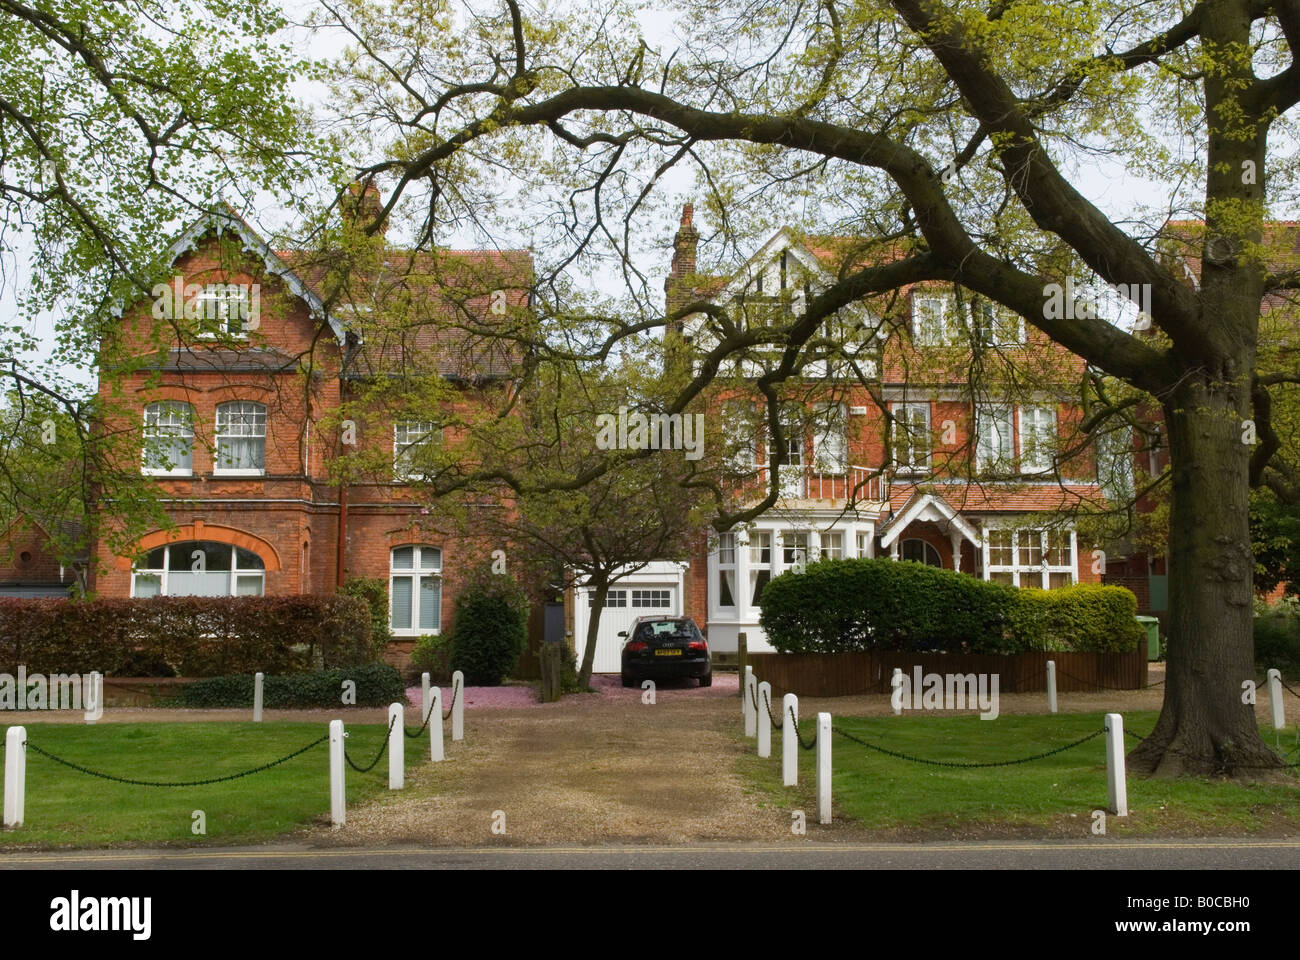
665, 630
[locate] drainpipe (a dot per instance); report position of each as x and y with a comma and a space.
343, 530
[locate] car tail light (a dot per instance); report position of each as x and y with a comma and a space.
698, 645
636, 646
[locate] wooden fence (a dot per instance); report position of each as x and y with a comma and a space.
846, 674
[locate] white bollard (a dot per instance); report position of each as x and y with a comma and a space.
1275, 699
257, 697
764, 720
15, 775
789, 740
458, 706
823, 768
338, 793
435, 725
894, 682
396, 748
94, 697
424, 698
748, 692
1116, 785
1051, 686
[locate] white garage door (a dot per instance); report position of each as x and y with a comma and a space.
623, 605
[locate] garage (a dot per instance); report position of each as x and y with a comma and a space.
654, 590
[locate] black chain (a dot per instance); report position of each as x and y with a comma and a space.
1102, 686
455, 692
954, 763
1285, 687
424, 726
811, 743
185, 783
767, 705
382, 748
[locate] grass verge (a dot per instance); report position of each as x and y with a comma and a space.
67, 808
1053, 796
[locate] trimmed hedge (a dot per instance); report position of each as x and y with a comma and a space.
378, 685
491, 628
185, 636
838, 606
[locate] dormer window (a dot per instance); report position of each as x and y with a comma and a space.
932, 319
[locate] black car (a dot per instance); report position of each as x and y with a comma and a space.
663, 648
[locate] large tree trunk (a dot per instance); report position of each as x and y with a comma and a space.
593, 630
1204, 727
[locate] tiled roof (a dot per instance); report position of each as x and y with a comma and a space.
436, 310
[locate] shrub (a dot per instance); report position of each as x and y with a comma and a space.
378, 685
432, 653
491, 627
867, 604
878, 604
1090, 618
1277, 637
184, 636
374, 591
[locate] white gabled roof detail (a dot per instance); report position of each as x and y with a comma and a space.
272, 263
782, 241
927, 506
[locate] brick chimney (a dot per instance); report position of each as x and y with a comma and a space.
362, 205
676, 292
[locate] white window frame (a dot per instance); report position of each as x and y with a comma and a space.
1002, 420
180, 419
641, 596
830, 440
914, 436
415, 573
831, 546
992, 323
425, 433
1037, 423
220, 302
790, 475
1032, 575
235, 572
757, 539
726, 547
224, 413
924, 334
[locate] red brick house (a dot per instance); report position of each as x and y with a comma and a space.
285, 461
978, 483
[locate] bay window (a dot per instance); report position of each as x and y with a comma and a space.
1031, 557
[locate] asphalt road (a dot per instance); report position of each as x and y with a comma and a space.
1210, 854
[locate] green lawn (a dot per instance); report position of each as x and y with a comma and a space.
69, 808
1055, 795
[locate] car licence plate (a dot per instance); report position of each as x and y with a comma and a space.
668, 653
